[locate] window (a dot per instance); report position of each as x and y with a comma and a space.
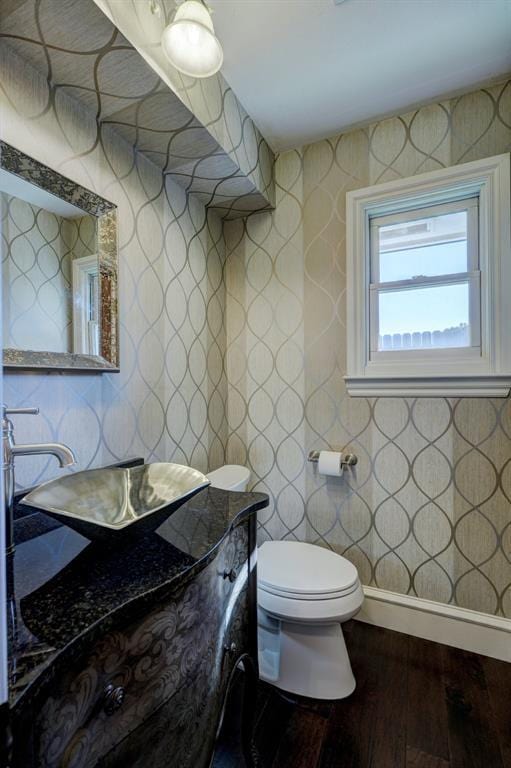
429, 279
425, 280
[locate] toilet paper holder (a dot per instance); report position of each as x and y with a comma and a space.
348, 460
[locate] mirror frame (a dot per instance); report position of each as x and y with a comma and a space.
19, 164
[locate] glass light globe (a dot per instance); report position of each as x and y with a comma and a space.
189, 42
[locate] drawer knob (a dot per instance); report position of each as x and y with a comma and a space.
113, 698
231, 575
230, 648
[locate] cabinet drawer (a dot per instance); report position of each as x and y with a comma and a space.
182, 733
136, 670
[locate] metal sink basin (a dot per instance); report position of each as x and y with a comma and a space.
102, 504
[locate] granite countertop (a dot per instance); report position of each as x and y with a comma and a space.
65, 590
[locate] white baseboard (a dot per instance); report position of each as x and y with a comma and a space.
448, 624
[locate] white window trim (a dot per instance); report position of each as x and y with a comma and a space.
464, 374
82, 329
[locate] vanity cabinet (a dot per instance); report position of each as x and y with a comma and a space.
150, 690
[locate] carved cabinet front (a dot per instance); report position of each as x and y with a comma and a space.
150, 693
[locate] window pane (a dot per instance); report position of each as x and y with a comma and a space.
419, 318
433, 246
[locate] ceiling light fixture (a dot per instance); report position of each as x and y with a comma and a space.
189, 42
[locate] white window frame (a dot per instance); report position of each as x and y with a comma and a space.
85, 332
472, 276
484, 368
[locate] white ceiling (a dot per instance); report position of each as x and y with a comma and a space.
306, 69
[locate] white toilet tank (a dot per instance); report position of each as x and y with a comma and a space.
230, 477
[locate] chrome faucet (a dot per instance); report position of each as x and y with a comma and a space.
64, 454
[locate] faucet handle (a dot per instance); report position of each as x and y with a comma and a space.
30, 411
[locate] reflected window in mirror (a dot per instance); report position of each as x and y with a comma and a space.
86, 305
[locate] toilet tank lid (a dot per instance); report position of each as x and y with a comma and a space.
229, 476
300, 568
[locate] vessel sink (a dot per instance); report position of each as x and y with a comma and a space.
103, 504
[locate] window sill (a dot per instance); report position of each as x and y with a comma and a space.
448, 386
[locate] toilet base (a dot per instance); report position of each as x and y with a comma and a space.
306, 659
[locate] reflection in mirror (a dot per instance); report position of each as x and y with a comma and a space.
59, 269
85, 304
49, 278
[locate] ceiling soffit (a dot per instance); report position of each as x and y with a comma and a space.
195, 131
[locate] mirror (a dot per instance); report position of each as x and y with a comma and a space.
59, 270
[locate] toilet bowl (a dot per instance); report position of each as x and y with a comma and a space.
304, 594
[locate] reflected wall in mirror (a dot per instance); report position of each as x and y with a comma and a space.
50, 278
59, 269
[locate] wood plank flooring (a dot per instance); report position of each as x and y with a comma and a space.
417, 705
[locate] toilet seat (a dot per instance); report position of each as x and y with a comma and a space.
301, 582
324, 611
301, 571
314, 596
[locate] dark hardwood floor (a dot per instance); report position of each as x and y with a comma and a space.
417, 705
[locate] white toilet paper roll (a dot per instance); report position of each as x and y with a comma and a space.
329, 463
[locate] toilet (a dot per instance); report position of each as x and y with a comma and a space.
304, 594
230, 477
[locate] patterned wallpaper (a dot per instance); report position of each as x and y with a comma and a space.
427, 510
211, 99
168, 401
197, 132
37, 250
